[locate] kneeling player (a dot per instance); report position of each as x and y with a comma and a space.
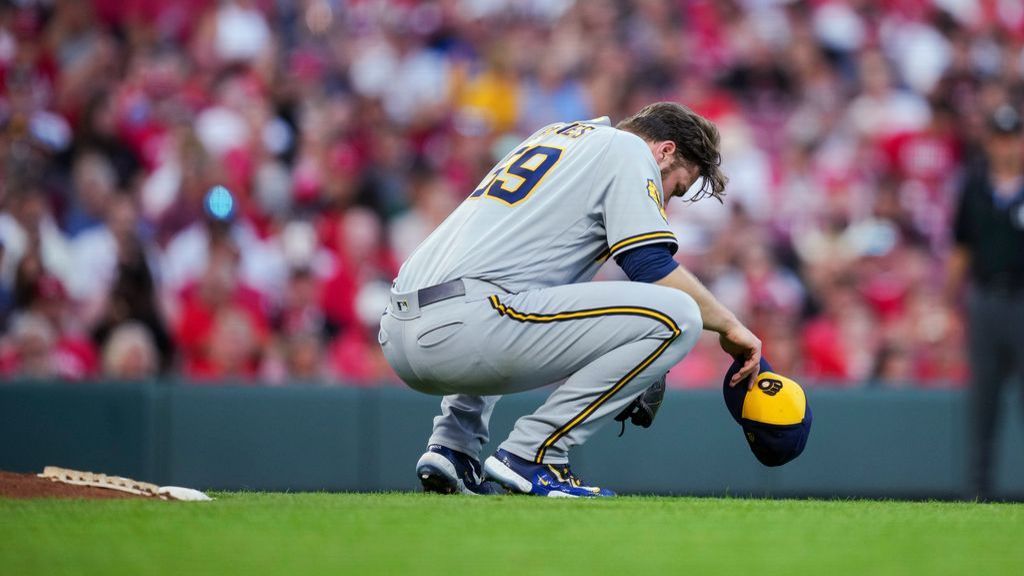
497, 299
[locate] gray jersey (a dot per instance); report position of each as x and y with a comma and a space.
550, 213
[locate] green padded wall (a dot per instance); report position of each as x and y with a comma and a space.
867, 442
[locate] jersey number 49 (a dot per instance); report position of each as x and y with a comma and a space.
513, 181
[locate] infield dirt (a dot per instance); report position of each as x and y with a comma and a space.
13, 485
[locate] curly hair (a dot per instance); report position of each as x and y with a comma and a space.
696, 140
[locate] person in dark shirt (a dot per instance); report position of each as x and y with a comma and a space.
989, 251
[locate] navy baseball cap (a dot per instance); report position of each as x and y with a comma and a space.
774, 414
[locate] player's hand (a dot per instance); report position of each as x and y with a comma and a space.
741, 344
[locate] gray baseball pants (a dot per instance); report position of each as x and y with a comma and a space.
604, 343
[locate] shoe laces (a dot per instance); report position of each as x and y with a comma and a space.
564, 474
475, 472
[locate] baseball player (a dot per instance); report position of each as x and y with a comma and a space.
497, 300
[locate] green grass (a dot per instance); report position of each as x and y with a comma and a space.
381, 534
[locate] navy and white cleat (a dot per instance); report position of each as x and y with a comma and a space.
525, 477
446, 471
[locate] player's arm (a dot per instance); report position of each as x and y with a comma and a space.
640, 240
654, 264
734, 337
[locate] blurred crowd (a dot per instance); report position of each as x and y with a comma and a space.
224, 189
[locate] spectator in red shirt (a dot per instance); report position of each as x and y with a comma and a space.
216, 307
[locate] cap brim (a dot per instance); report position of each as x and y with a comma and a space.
777, 445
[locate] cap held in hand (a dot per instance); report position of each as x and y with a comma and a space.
774, 414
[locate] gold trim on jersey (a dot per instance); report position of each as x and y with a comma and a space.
634, 240
514, 314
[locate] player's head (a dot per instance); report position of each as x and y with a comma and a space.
694, 144
774, 414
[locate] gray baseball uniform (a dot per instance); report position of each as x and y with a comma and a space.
526, 243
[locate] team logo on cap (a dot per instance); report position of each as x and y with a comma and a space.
769, 386
781, 401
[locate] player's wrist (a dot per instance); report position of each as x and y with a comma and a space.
729, 323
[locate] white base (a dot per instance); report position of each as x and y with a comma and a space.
184, 494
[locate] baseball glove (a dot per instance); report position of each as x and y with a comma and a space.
644, 408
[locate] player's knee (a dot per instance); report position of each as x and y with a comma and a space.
685, 313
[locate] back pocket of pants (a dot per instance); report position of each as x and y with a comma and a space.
438, 334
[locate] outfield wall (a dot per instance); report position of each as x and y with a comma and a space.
871, 442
